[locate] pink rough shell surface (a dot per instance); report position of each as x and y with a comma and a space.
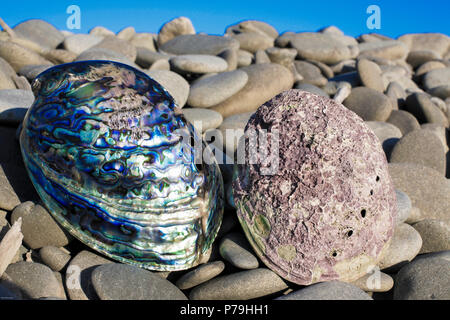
328, 211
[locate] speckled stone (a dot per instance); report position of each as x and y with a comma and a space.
235, 249
428, 189
421, 147
404, 206
435, 235
116, 281
426, 278
332, 290
200, 274
405, 246
328, 210
242, 285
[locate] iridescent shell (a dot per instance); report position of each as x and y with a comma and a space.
103, 146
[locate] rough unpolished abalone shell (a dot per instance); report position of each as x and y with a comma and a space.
103, 144
327, 212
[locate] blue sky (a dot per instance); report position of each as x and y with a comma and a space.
397, 16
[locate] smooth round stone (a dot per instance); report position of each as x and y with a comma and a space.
8, 197
435, 235
403, 120
78, 43
404, 246
231, 57
174, 28
253, 26
38, 226
175, 84
78, 275
14, 103
396, 93
311, 74
425, 278
319, 231
264, 81
283, 56
18, 56
375, 281
144, 40
199, 44
436, 78
422, 147
145, 57
370, 74
417, 57
427, 188
321, 47
311, 88
244, 58
101, 31
404, 207
6, 68
442, 92
261, 57
420, 105
439, 131
125, 282
40, 32
213, 90
390, 49
253, 41
198, 63
242, 285
331, 290
369, 104
96, 53
235, 249
428, 66
160, 65
119, 46
200, 275
54, 257
60, 56
232, 129
387, 134
6, 82
34, 279
126, 33
202, 119
32, 71
436, 42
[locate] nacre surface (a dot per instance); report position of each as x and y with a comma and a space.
103, 145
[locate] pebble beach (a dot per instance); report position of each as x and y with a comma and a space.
399, 87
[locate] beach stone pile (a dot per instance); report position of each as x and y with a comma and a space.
399, 87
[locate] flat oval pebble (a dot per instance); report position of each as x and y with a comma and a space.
387, 134
404, 206
427, 278
124, 282
369, 104
207, 92
40, 32
39, 228
54, 257
253, 41
78, 275
175, 28
242, 285
422, 147
14, 103
333, 212
199, 44
403, 120
370, 74
198, 63
175, 84
235, 249
332, 290
375, 281
203, 119
200, 274
421, 106
404, 246
34, 279
427, 188
311, 88
78, 43
265, 80
435, 235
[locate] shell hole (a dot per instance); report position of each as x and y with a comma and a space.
199, 166
349, 233
371, 192
363, 213
334, 253
377, 178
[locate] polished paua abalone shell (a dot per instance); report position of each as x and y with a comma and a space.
105, 147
